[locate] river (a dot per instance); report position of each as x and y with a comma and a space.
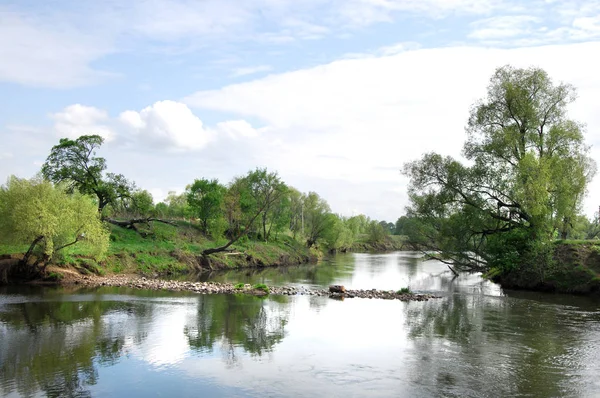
475, 341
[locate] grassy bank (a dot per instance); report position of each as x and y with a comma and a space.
575, 268
174, 249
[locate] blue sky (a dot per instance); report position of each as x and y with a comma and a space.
335, 95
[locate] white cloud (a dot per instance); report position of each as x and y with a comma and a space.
359, 120
36, 52
77, 120
237, 128
56, 46
250, 70
502, 27
168, 123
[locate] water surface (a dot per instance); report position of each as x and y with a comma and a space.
476, 341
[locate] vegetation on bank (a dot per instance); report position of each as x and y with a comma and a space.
521, 190
75, 214
502, 211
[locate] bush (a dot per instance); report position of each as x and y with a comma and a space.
404, 290
239, 286
261, 286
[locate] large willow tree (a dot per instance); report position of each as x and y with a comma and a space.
527, 171
45, 218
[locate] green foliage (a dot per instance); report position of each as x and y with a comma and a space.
73, 163
528, 170
261, 286
205, 199
317, 218
54, 277
339, 235
36, 213
177, 206
238, 286
376, 232
404, 290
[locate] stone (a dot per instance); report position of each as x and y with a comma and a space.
337, 289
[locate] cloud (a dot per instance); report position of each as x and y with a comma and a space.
5, 155
36, 52
58, 45
77, 120
168, 123
237, 129
502, 27
251, 70
370, 115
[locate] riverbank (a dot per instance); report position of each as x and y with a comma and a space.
575, 269
143, 283
164, 250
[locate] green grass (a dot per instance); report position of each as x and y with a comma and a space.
261, 286
404, 290
239, 286
173, 249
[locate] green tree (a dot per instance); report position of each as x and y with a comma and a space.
296, 210
339, 235
73, 162
45, 217
266, 190
248, 198
316, 218
177, 205
205, 198
528, 169
377, 231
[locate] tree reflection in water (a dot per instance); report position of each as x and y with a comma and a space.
235, 322
478, 345
53, 346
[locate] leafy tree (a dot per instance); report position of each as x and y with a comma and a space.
528, 171
358, 224
178, 205
296, 210
138, 204
73, 162
316, 220
377, 231
205, 198
161, 209
45, 217
339, 235
266, 190
248, 198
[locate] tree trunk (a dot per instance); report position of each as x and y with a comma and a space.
25, 258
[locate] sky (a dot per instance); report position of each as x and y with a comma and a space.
334, 95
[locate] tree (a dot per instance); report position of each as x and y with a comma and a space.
177, 205
45, 217
205, 198
316, 220
266, 190
296, 210
247, 198
73, 162
377, 231
528, 171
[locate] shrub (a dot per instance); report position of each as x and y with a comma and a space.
261, 286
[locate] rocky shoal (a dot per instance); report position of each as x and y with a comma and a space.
229, 288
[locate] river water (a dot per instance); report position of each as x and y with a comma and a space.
476, 341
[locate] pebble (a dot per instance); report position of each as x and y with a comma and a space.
228, 288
